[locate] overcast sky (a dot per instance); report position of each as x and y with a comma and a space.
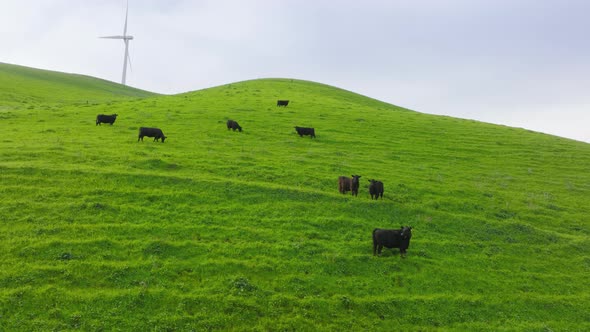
522, 63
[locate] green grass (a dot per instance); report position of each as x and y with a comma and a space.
28, 88
220, 230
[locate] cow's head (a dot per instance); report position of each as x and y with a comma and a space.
406, 232
163, 138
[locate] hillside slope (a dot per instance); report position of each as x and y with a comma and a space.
222, 230
24, 85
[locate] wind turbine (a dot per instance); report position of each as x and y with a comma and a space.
126, 40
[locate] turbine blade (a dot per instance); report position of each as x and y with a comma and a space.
113, 37
126, 12
130, 66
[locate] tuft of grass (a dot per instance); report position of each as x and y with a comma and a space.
220, 230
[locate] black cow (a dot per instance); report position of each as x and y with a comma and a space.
233, 125
305, 131
392, 238
156, 133
354, 185
376, 189
343, 184
102, 118
282, 103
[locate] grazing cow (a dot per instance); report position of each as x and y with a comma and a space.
305, 131
354, 185
233, 125
102, 118
343, 184
392, 238
156, 133
282, 103
376, 189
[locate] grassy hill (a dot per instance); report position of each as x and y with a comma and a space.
221, 230
24, 86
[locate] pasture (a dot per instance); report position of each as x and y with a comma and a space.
223, 230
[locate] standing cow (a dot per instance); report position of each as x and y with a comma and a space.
376, 189
301, 131
233, 125
103, 118
392, 238
343, 184
156, 133
354, 185
282, 103
349, 184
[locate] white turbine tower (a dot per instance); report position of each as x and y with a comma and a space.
126, 40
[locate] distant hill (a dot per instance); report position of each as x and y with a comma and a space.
216, 230
29, 85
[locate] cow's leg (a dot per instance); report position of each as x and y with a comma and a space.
379, 248
374, 248
140, 137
